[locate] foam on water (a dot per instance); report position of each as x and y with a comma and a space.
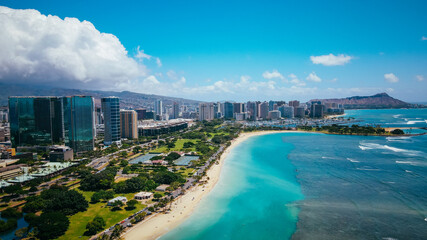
414, 122
371, 146
352, 160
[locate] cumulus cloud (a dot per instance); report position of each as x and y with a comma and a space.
294, 80
36, 48
158, 62
141, 55
391, 78
272, 75
419, 78
313, 77
331, 59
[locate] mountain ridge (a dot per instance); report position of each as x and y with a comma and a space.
379, 100
127, 99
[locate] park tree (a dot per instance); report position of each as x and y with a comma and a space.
131, 204
117, 205
11, 213
51, 225
94, 226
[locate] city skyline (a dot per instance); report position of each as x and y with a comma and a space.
219, 51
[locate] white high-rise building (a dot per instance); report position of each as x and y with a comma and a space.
158, 107
206, 111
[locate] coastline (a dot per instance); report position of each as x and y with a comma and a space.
159, 224
335, 116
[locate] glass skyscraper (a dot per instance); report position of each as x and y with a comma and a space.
228, 110
36, 121
111, 110
79, 122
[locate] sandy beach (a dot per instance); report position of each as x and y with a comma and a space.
335, 116
159, 224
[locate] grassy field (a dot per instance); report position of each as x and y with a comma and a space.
186, 171
78, 221
178, 145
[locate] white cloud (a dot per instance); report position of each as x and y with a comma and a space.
294, 80
273, 74
141, 55
158, 62
389, 90
42, 49
245, 79
423, 38
419, 78
313, 77
390, 77
172, 74
331, 60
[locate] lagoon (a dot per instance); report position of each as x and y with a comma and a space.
317, 186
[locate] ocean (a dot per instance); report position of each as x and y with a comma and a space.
318, 186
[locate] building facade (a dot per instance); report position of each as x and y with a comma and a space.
36, 120
111, 110
129, 124
206, 111
158, 107
263, 110
175, 111
228, 110
79, 122
286, 111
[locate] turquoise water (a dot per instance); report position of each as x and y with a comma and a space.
391, 117
317, 186
254, 198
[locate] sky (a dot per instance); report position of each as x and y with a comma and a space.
219, 50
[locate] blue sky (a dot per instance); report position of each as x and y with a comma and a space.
247, 50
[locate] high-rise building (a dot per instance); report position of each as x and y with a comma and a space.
252, 109
317, 109
35, 120
79, 122
206, 111
238, 108
228, 110
158, 107
263, 110
99, 119
111, 110
299, 112
274, 115
141, 113
286, 111
294, 103
129, 124
4, 115
175, 111
271, 105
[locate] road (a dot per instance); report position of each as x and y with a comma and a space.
190, 182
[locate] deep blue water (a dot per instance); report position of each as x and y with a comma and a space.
317, 186
391, 117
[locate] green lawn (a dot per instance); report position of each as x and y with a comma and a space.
178, 145
78, 221
186, 171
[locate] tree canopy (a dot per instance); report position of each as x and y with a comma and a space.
51, 225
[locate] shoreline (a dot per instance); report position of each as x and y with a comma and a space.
160, 223
335, 116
